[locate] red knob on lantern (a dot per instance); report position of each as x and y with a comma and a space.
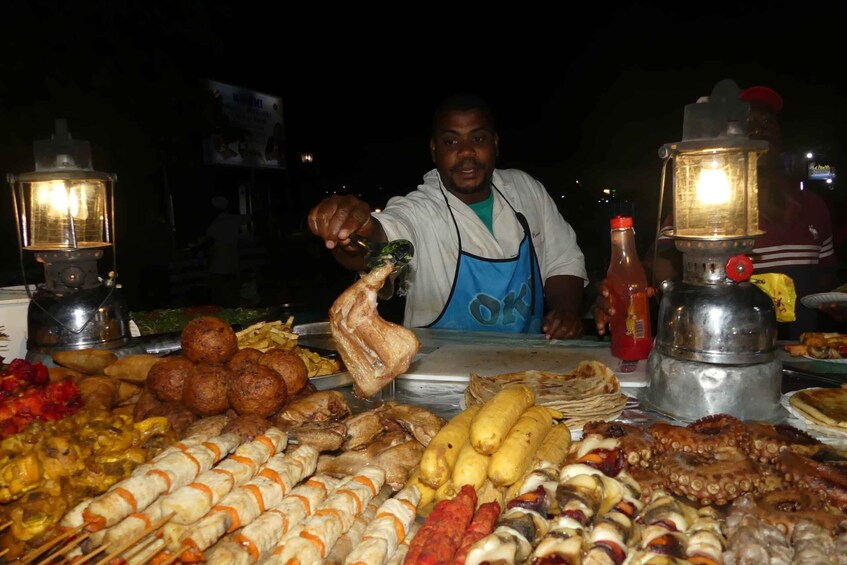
739, 268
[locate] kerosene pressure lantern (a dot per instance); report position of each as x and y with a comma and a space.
715, 348
65, 216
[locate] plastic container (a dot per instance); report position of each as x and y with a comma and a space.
632, 336
14, 305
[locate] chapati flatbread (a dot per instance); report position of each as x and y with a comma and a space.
590, 392
825, 406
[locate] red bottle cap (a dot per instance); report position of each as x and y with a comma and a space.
621, 222
739, 268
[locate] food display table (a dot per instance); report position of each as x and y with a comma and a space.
438, 376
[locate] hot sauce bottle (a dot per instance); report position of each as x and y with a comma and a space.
632, 337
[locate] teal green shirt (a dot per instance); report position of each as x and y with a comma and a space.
485, 211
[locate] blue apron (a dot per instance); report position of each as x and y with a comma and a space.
504, 295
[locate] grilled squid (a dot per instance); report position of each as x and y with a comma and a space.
311, 541
243, 505
389, 528
257, 540
137, 492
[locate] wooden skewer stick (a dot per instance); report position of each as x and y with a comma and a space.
139, 547
6, 525
174, 557
32, 555
135, 539
94, 553
4, 552
65, 549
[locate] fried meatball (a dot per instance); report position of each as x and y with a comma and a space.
244, 357
166, 377
209, 340
290, 367
257, 390
247, 426
205, 391
179, 417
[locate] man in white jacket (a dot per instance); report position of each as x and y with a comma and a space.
492, 251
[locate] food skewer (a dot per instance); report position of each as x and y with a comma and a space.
66, 549
137, 492
130, 541
140, 547
46, 546
95, 553
4, 552
240, 507
6, 525
175, 556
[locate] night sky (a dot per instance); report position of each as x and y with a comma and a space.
580, 92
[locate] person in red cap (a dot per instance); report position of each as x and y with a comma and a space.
798, 240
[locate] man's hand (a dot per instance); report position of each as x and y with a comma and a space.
604, 309
336, 218
561, 324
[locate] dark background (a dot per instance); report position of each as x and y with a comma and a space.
583, 94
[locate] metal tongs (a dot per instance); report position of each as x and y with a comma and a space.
398, 252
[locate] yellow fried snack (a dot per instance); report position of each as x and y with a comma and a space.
471, 467
440, 455
278, 335
497, 416
89, 361
518, 449
265, 335
132, 368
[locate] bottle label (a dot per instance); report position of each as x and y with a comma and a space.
636, 313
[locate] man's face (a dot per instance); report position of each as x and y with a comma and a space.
464, 148
763, 123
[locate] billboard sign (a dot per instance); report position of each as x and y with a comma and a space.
821, 172
256, 122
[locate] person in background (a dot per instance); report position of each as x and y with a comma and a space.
798, 228
221, 239
492, 251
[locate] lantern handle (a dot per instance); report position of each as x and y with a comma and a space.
666, 155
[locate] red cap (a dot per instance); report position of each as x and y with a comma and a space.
763, 94
621, 222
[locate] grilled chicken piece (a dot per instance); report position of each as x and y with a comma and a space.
323, 436
398, 461
363, 428
418, 421
322, 406
374, 350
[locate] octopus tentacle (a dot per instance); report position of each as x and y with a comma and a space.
824, 472
651, 483
767, 440
637, 445
785, 508
715, 478
703, 436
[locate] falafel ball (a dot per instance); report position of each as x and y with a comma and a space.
258, 389
244, 356
208, 339
205, 392
166, 377
248, 426
290, 367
